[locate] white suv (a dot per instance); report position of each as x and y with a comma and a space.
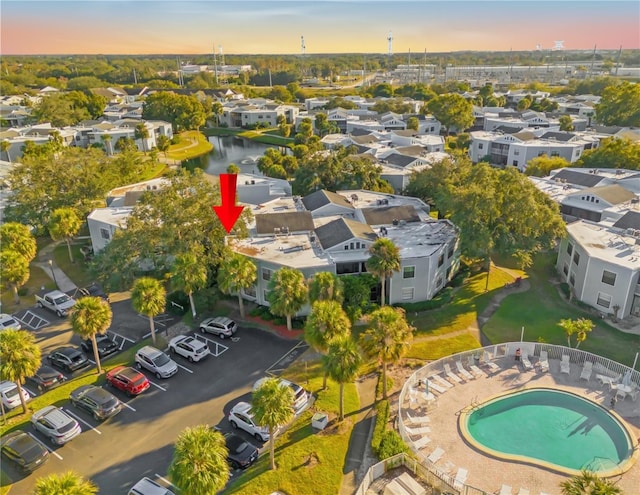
220, 326
156, 361
188, 347
8, 321
300, 395
241, 417
10, 396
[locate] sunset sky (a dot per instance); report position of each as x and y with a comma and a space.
156, 26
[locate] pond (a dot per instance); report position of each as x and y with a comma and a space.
230, 149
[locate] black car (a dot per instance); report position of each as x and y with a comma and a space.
241, 453
106, 345
68, 358
22, 449
91, 290
96, 401
46, 378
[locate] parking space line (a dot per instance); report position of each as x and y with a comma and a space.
166, 481
219, 348
186, 369
158, 386
127, 405
91, 361
45, 446
122, 337
83, 421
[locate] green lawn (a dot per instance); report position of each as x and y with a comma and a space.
192, 144
308, 463
76, 271
438, 348
37, 279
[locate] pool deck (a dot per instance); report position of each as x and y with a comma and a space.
490, 474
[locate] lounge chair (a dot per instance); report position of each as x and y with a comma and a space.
506, 490
587, 369
421, 442
488, 362
524, 358
461, 477
474, 369
451, 374
440, 381
411, 485
523, 491
417, 431
465, 374
432, 385
565, 365
436, 455
544, 361
417, 420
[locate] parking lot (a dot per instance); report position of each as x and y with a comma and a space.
139, 440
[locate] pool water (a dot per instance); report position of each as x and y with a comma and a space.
551, 426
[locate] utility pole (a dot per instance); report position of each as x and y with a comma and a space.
135, 78
215, 63
618, 60
593, 60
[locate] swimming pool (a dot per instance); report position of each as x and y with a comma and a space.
551, 428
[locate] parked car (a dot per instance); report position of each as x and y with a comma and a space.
24, 450
96, 401
189, 347
93, 290
241, 417
46, 378
129, 380
68, 358
106, 345
8, 321
156, 361
10, 396
147, 486
220, 326
300, 395
56, 425
241, 454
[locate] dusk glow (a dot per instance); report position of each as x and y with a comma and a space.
146, 27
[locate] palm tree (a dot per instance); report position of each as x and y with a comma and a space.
64, 224
189, 274
326, 286
68, 483
199, 465
4, 147
287, 293
149, 298
18, 237
141, 132
342, 363
588, 483
14, 271
581, 327
163, 143
106, 142
326, 322
235, 274
387, 338
89, 317
271, 407
19, 358
384, 260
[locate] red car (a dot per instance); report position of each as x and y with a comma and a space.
128, 380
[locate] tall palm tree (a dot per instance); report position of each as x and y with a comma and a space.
287, 293
384, 260
64, 224
67, 483
189, 274
235, 274
588, 483
326, 286
19, 358
162, 143
199, 465
326, 322
106, 142
4, 147
142, 133
271, 407
18, 237
149, 298
89, 317
342, 363
14, 271
387, 339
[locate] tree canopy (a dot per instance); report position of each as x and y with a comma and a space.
287, 293
17, 237
64, 109
612, 153
541, 166
620, 105
452, 110
184, 112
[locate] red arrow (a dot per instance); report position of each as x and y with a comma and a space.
228, 212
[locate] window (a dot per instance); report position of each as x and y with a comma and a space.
608, 277
603, 300
407, 294
441, 260
565, 269
572, 279
346, 247
576, 258
342, 268
251, 291
105, 234
569, 248
266, 274
439, 282
515, 163
555, 153
265, 294
481, 146
450, 252
409, 272
516, 152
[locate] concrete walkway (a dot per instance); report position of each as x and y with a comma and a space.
48, 264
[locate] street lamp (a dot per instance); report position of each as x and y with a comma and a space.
53, 273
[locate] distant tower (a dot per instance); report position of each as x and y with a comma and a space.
390, 43
221, 55
302, 45
558, 45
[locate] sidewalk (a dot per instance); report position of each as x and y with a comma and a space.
48, 264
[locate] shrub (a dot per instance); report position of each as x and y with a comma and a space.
382, 418
176, 139
391, 444
379, 386
564, 288
176, 299
23, 291
443, 297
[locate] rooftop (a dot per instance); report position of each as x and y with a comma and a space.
603, 241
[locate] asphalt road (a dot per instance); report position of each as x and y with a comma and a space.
139, 441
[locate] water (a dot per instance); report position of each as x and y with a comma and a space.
230, 149
553, 427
